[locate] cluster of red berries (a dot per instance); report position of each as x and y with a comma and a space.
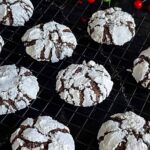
138, 4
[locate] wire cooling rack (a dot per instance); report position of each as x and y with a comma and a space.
83, 122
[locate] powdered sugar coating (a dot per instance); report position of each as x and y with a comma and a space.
15, 12
1, 43
125, 131
141, 69
15, 88
49, 42
84, 84
111, 26
42, 133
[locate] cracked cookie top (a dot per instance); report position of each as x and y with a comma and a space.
42, 133
111, 26
49, 42
124, 131
15, 12
141, 69
84, 84
17, 88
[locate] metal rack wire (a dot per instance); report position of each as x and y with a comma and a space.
83, 122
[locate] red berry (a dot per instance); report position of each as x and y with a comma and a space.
138, 4
91, 1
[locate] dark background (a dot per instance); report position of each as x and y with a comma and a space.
83, 122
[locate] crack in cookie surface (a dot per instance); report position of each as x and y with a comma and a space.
111, 26
15, 13
124, 131
84, 85
141, 68
49, 42
15, 88
42, 133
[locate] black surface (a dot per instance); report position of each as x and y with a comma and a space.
83, 122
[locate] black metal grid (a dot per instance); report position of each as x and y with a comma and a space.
83, 122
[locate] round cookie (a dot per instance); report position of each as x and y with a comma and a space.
141, 69
49, 42
42, 133
1, 43
15, 12
84, 84
111, 26
17, 88
124, 131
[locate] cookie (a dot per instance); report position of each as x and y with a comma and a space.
111, 26
42, 133
141, 69
17, 88
49, 42
124, 131
1, 43
84, 84
15, 12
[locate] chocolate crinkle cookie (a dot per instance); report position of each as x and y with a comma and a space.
42, 133
84, 84
49, 42
17, 88
1, 43
125, 131
15, 12
111, 26
141, 69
